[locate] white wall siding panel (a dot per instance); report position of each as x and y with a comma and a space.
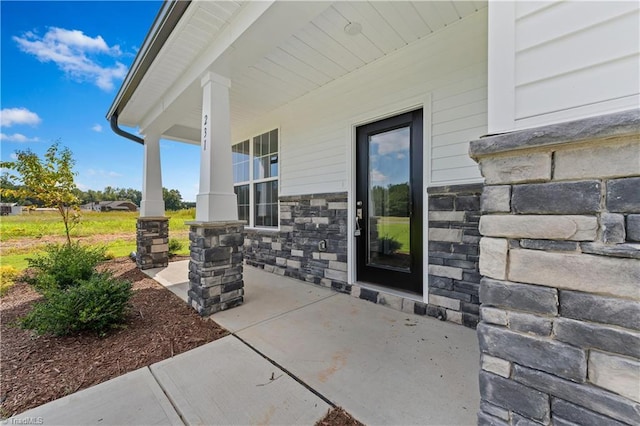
580, 88
564, 18
316, 129
451, 176
571, 60
524, 8
607, 42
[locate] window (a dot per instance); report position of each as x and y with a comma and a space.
255, 177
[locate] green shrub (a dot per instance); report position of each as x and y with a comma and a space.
388, 245
109, 254
63, 266
8, 275
174, 246
96, 305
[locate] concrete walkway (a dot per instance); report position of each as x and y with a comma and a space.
294, 347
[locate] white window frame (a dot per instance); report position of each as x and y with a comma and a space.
252, 182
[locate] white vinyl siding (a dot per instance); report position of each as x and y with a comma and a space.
450, 65
570, 60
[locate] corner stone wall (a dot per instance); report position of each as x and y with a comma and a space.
454, 280
294, 250
560, 294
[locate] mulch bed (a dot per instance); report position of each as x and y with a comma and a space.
338, 417
37, 369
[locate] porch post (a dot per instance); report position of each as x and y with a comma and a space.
152, 204
217, 237
216, 200
152, 233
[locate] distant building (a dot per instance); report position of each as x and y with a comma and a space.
107, 206
10, 209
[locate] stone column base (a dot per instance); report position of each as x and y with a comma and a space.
215, 268
152, 242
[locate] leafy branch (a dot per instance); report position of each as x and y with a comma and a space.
49, 180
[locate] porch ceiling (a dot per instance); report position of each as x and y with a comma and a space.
273, 53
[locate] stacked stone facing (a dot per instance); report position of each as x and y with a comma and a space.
454, 280
215, 267
294, 250
152, 242
560, 294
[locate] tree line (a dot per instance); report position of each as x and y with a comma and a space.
49, 182
393, 200
172, 197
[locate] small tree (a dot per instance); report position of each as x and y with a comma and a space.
49, 180
172, 199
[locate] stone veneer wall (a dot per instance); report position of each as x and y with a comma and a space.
560, 294
293, 250
454, 280
152, 242
305, 220
215, 266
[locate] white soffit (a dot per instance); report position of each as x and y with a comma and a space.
265, 77
201, 24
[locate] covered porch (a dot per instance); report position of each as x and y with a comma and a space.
293, 81
381, 365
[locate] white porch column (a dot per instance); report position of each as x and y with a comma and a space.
216, 201
152, 228
152, 204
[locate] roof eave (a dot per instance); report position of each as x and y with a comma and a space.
163, 25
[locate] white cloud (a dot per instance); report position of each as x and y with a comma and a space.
392, 141
13, 156
71, 50
377, 176
97, 128
17, 137
102, 173
11, 116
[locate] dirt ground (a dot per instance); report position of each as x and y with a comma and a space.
38, 369
24, 243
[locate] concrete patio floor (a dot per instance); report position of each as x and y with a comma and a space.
294, 346
383, 366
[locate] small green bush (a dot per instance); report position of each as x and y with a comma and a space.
96, 305
63, 266
174, 246
8, 275
388, 245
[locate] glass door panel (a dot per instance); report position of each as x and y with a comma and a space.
389, 236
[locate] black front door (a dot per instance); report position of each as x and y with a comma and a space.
389, 202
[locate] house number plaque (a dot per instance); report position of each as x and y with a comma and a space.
205, 132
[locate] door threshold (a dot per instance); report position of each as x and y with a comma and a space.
391, 291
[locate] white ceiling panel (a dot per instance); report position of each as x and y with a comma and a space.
315, 53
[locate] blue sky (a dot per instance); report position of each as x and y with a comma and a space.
62, 64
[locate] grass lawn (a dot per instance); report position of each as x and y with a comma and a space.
25, 235
397, 228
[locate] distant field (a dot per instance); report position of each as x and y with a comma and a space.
24, 235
